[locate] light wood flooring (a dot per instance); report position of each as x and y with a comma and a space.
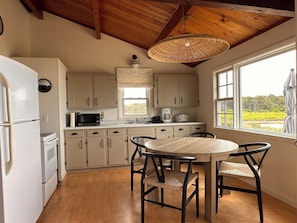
103, 196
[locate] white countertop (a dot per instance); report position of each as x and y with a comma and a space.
126, 125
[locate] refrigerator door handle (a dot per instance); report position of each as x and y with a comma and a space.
7, 141
5, 112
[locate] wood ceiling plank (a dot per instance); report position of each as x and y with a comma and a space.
96, 16
35, 7
272, 7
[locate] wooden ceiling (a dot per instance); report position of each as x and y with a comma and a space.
144, 22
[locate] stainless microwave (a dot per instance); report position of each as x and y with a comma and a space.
88, 119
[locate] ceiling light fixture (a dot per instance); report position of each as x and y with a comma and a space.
187, 48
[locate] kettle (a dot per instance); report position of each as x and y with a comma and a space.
166, 115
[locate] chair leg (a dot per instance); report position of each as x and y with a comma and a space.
142, 203
131, 173
197, 197
183, 214
259, 195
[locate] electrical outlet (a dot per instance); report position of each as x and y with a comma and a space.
101, 115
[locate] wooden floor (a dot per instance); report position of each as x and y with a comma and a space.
103, 196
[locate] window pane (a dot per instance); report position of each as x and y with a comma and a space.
222, 92
222, 79
262, 97
135, 107
134, 92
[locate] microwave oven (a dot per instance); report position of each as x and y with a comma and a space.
88, 119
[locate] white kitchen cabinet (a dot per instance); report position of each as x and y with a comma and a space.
52, 104
165, 132
117, 146
75, 146
91, 91
198, 128
105, 91
96, 148
79, 91
176, 90
181, 131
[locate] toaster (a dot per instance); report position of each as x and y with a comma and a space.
182, 118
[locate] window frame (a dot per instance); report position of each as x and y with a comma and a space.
237, 98
122, 100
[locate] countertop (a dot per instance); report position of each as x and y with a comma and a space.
134, 125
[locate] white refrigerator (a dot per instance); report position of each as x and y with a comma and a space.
20, 175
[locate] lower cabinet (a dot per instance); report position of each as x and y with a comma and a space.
94, 148
75, 148
117, 146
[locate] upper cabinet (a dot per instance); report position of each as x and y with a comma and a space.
176, 90
91, 91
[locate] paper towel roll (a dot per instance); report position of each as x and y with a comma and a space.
72, 119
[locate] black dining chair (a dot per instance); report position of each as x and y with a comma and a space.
137, 158
156, 176
201, 134
252, 155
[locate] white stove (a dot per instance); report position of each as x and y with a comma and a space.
49, 164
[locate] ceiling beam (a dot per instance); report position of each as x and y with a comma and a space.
34, 6
271, 7
96, 16
173, 21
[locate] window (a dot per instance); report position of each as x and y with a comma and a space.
251, 95
135, 101
225, 111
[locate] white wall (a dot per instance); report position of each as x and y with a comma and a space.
16, 37
279, 171
79, 50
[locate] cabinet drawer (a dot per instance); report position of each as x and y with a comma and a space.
74, 133
181, 129
197, 128
141, 131
96, 132
119, 131
160, 130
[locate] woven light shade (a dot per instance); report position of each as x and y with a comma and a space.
188, 48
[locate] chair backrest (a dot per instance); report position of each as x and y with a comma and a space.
201, 134
158, 167
139, 141
253, 154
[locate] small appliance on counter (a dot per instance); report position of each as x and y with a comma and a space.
88, 119
156, 119
166, 115
181, 118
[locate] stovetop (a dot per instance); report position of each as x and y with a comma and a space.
47, 136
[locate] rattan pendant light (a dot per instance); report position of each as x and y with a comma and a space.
187, 48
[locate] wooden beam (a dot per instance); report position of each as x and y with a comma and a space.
173, 21
96, 16
35, 7
271, 7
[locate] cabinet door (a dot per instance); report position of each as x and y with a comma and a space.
79, 91
97, 155
105, 91
167, 91
75, 153
117, 150
188, 90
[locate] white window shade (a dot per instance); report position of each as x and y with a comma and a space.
135, 77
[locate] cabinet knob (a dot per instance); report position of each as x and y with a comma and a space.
163, 130
95, 133
115, 132
180, 129
74, 133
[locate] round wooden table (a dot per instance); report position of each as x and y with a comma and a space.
206, 150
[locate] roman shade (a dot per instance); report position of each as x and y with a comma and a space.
135, 77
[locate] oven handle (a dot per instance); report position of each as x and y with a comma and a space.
51, 141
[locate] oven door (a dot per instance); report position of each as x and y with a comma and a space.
49, 159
